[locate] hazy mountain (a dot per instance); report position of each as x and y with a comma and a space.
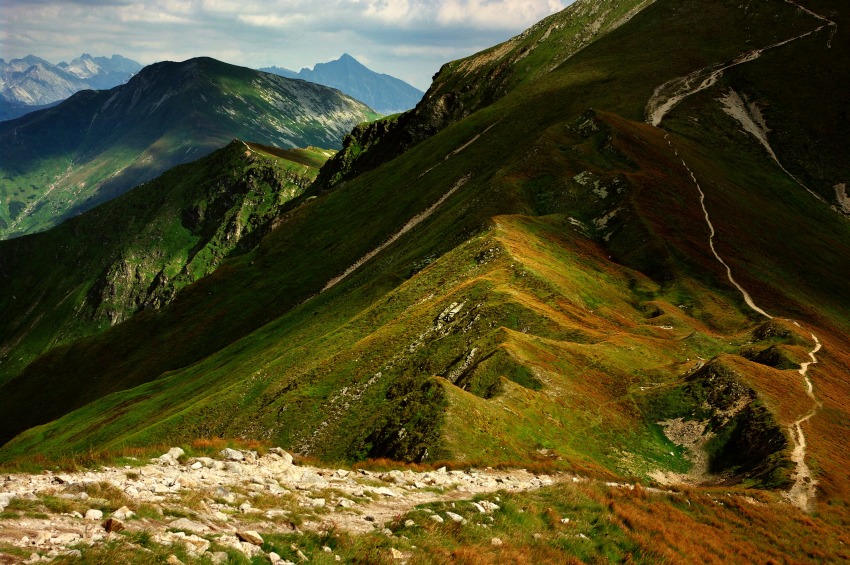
381, 92
32, 83
97, 144
612, 246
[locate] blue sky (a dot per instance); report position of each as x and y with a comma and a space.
409, 39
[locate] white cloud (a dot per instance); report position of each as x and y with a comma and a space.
410, 39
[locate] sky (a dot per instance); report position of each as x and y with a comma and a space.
409, 39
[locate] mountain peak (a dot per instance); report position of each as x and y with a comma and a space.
384, 93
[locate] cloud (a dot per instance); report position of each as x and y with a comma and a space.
410, 39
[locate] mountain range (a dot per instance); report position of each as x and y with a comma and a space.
381, 92
32, 83
613, 247
58, 162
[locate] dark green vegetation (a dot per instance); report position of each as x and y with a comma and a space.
96, 145
137, 251
555, 299
381, 92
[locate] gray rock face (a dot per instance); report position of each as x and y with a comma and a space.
32, 81
188, 525
231, 454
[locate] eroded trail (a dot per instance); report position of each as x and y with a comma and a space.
415, 220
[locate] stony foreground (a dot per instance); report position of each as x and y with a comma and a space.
200, 504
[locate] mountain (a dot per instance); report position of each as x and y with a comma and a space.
98, 144
623, 257
383, 93
135, 252
28, 84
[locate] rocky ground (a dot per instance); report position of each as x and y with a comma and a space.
204, 505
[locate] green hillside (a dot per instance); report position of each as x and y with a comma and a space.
137, 251
59, 162
537, 275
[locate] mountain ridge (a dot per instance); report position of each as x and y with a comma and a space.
98, 144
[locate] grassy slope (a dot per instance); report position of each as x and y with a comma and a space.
533, 302
137, 251
98, 145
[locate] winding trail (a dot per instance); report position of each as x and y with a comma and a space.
418, 218
666, 97
802, 492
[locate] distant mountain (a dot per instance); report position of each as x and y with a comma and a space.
98, 144
31, 83
383, 93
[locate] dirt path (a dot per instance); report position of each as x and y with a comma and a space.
415, 220
200, 501
664, 99
802, 493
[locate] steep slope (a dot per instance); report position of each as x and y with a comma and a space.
464, 86
137, 251
381, 92
536, 282
96, 145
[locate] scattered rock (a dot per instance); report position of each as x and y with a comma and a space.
385, 491
123, 513
231, 454
437, 518
496, 541
113, 525
409, 523
251, 537
396, 554
67, 538
312, 478
173, 560
188, 525
457, 518
94, 514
